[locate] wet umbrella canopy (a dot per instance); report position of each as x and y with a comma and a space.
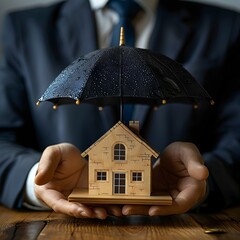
122, 74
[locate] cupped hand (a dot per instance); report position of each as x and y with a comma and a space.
61, 169
181, 172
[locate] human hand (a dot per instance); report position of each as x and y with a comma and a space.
180, 171
61, 169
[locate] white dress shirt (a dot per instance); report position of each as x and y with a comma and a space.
106, 18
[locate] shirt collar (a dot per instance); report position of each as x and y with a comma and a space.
148, 5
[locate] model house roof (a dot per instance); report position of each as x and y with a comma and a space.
126, 130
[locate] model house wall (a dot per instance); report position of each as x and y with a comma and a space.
120, 163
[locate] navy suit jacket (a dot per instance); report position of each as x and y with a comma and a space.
40, 42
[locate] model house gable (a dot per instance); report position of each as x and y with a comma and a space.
116, 132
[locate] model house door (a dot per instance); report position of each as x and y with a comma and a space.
119, 183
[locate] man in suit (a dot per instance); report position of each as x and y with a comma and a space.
39, 43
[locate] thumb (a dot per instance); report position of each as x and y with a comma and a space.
190, 156
194, 163
198, 171
47, 165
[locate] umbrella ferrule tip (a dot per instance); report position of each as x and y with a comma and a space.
122, 37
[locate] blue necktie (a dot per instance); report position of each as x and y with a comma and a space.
127, 11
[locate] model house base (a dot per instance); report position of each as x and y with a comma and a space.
82, 196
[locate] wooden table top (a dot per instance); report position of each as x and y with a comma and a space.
27, 225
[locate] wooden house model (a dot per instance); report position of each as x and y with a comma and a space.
120, 164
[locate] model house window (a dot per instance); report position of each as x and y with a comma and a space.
119, 183
119, 152
136, 176
101, 176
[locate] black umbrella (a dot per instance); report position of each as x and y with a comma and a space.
123, 74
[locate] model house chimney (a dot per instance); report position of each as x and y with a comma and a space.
134, 126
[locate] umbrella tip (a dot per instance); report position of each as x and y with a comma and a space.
55, 106
212, 102
195, 106
38, 103
122, 38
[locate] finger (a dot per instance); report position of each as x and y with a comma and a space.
182, 201
165, 210
114, 210
135, 210
100, 212
73, 209
58, 202
189, 154
178, 207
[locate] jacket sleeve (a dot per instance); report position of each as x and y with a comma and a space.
223, 161
16, 155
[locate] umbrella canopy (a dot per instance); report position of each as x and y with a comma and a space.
123, 74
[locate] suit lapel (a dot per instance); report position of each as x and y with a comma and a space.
171, 30
77, 29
